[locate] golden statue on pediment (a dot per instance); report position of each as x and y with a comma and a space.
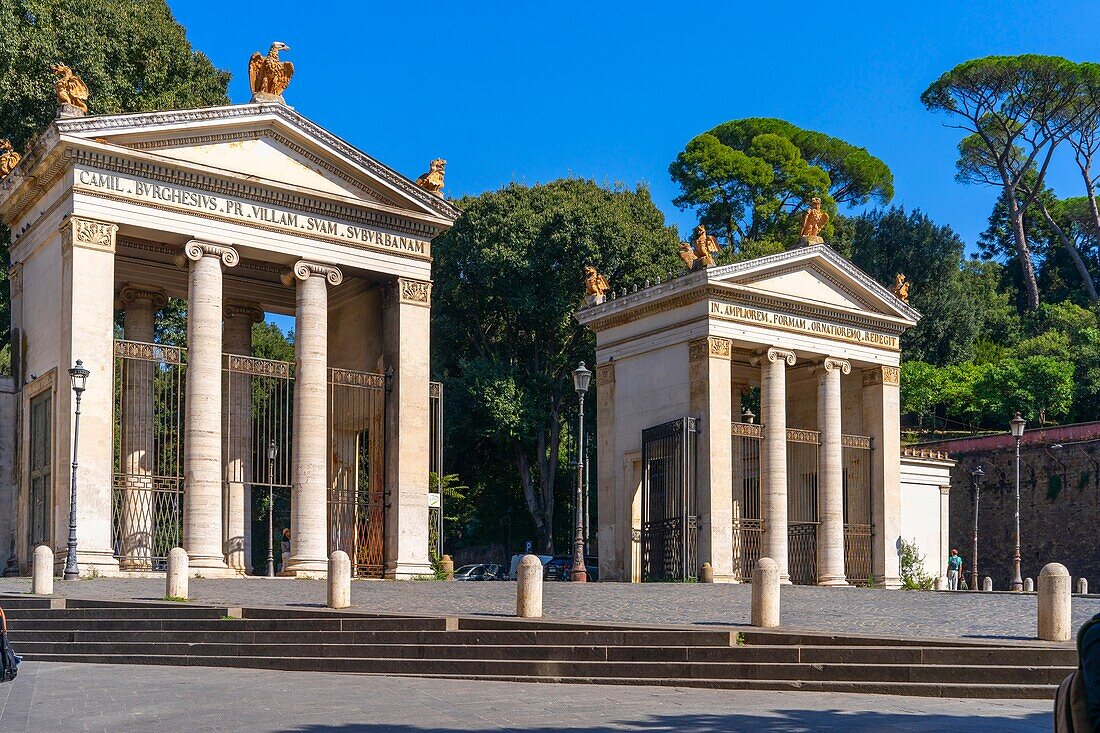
432, 181
595, 285
8, 158
812, 223
699, 252
269, 75
901, 288
71, 89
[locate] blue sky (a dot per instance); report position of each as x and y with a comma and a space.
535, 91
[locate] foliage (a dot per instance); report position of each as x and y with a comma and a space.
749, 178
508, 276
913, 575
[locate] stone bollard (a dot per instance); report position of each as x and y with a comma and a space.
706, 573
1082, 586
339, 580
941, 582
447, 565
529, 587
987, 584
1029, 585
765, 593
176, 577
42, 571
1055, 603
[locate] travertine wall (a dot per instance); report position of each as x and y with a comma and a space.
1059, 508
7, 465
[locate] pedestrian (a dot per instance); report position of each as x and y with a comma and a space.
954, 570
1077, 702
284, 548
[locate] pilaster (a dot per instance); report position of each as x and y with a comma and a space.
613, 532
945, 529
882, 422
710, 400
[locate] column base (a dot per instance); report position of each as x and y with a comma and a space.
885, 582
785, 579
206, 562
728, 579
832, 580
304, 568
407, 570
91, 563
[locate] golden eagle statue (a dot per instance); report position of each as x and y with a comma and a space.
268, 74
71, 89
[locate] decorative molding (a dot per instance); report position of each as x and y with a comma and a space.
716, 346
149, 352
305, 269
799, 435
605, 374
88, 234
237, 309
855, 441
47, 381
258, 367
945, 491
132, 292
196, 250
747, 430
15, 279
350, 378
881, 375
909, 451
407, 290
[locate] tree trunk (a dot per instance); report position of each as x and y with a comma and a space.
537, 506
1086, 171
1075, 254
1023, 252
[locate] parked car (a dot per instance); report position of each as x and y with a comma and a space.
515, 563
481, 571
561, 568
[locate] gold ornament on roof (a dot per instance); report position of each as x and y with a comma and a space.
269, 75
8, 158
699, 252
901, 288
71, 89
595, 285
432, 181
812, 223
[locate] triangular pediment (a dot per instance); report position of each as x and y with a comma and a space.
815, 276
263, 144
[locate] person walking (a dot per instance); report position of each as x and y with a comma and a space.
954, 570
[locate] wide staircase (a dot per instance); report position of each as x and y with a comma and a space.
501, 648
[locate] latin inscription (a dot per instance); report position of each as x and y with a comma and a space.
743, 314
233, 209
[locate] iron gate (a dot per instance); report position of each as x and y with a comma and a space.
147, 497
802, 517
748, 526
857, 509
435, 468
357, 478
669, 523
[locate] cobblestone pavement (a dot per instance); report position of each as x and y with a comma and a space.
71, 697
852, 610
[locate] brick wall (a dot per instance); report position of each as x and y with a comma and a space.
1059, 502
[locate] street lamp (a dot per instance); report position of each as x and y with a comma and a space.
1017, 425
272, 454
976, 477
79, 376
581, 377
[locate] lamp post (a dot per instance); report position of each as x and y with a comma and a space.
272, 453
79, 376
1017, 424
581, 377
976, 476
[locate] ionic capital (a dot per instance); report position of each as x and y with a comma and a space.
831, 364
133, 293
773, 355
248, 311
716, 346
945, 491
77, 231
305, 269
195, 250
407, 290
890, 375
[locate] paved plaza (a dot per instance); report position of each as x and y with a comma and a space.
72, 697
842, 610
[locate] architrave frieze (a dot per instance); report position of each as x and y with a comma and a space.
710, 346
890, 375
78, 231
407, 290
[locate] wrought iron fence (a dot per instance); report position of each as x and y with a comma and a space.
748, 526
357, 479
669, 522
857, 509
147, 497
435, 466
802, 517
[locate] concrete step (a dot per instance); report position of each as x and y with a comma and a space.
218, 623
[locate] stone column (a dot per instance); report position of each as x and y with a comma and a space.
773, 455
137, 521
882, 421
202, 458
710, 401
830, 474
87, 333
309, 469
613, 533
237, 428
406, 338
945, 527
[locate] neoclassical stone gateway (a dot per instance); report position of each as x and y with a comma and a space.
687, 474
240, 211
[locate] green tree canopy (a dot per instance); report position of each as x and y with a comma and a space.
749, 178
508, 277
